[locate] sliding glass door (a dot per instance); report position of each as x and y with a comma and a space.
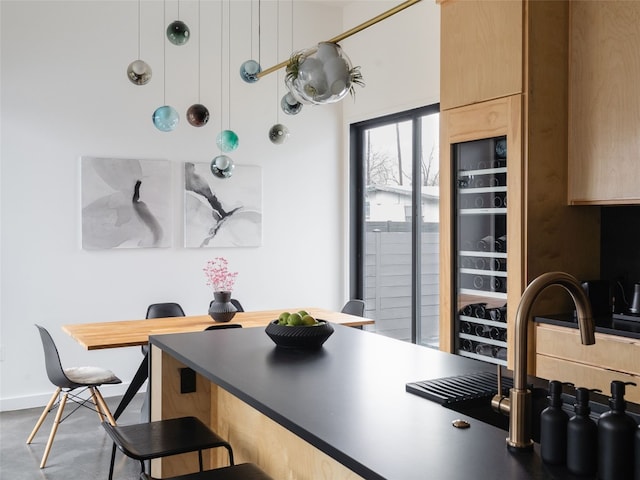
394, 229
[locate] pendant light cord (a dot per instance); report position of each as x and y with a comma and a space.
229, 64
221, 64
139, 30
164, 53
199, 37
278, 56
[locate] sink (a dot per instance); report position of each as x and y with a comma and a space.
470, 395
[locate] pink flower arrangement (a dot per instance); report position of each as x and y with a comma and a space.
218, 275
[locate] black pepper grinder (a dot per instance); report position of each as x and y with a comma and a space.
616, 430
582, 437
553, 427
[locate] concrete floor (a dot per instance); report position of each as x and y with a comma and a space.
81, 449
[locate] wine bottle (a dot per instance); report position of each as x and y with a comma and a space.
465, 327
479, 311
482, 330
498, 200
500, 244
500, 353
498, 314
466, 345
480, 263
467, 262
478, 282
498, 333
501, 148
498, 284
478, 201
467, 310
485, 244
484, 349
498, 264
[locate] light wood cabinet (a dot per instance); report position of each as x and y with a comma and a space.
604, 103
544, 233
560, 355
488, 67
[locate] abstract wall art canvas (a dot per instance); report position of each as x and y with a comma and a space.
222, 212
126, 203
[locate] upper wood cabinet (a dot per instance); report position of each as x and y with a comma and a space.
544, 233
481, 51
604, 103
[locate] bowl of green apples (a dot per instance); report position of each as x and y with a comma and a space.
299, 330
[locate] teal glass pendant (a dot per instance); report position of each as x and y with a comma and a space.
139, 72
222, 166
290, 105
227, 140
249, 71
198, 115
166, 118
178, 33
278, 134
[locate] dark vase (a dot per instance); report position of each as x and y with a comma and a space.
221, 309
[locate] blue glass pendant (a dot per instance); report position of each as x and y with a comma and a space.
278, 134
178, 33
166, 118
222, 166
139, 72
227, 140
197, 115
249, 71
290, 105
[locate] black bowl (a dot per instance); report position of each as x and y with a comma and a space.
307, 337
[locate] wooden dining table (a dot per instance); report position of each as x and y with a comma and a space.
131, 333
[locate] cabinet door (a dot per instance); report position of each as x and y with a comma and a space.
481, 51
604, 103
485, 126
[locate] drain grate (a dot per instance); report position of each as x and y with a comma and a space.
450, 390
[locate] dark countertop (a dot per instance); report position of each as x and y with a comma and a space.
348, 399
608, 325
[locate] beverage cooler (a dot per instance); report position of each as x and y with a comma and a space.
480, 247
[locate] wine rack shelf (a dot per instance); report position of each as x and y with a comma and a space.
480, 210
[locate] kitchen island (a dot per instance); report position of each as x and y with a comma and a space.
341, 412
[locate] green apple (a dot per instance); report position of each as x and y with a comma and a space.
294, 319
308, 320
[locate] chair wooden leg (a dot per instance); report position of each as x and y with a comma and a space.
54, 429
103, 407
94, 400
45, 412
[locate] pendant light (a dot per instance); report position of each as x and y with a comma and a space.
278, 133
177, 32
250, 69
289, 104
138, 71
198, 114
222, 165
165, 118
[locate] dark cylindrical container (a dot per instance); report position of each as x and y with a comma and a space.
553, 427
637, 454
498, 314
582, 437
616, 431
479, 311
485, 244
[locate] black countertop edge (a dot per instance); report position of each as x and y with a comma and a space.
608, 325
325, 447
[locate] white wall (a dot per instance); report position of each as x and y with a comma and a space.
65, 94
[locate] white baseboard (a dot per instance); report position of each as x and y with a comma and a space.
40, 400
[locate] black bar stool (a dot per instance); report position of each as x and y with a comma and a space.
163, 438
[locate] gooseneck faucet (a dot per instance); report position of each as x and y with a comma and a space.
518, 404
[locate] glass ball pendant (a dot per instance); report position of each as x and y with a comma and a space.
222, 166
249, 71
139, 72
198, 115
290, 105
178, 33
166, 118
278, 134
227, 140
